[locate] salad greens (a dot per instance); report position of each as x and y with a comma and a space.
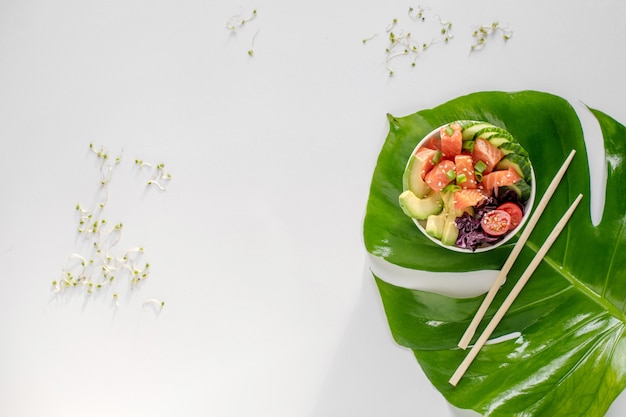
565, 354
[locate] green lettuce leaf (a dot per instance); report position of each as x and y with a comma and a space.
565, 354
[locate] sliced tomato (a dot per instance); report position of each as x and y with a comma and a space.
465, 177
438, 177
514, 211
427, 156
488, 153
451, 143
498, 179
467, 198
496, 222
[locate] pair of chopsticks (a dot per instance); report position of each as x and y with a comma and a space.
471, 330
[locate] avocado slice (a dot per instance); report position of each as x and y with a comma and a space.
450, 232
420, 208
435, 224
412, 178
442, 226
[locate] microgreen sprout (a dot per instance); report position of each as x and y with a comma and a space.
391, 25
156, 184
160, 176
101, 153
446, 30
97, 268
401, 43
251, 50
141, 163
417, 15
235, 22
153, 301
81, 209
369, 38
484, 32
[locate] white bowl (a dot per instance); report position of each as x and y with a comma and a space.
527, 208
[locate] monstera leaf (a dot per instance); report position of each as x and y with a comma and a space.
565, 354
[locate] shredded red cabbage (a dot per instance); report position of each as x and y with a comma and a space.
471, 234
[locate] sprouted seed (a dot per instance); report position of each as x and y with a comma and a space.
156, 184
153, 301
141, 163
401, 42
96, 269
391, 25
236, 21
417, 15
484, 32
160, 177
446, 30
251, 50
369, 38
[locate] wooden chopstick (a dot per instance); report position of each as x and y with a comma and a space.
514, 293
471, 329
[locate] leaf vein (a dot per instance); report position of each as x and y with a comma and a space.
585, 289
600, 340
610, 267
541, 300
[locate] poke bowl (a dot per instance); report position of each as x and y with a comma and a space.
469, 186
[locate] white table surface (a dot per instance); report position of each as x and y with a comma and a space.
256, 245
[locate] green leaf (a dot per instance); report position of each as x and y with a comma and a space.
565, 354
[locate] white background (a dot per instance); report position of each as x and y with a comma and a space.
256, 246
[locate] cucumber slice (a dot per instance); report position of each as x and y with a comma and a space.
469, 129
485, 134
519, 163
498, 141
467, 123
521, 188
513, 147
489, 132
468, 146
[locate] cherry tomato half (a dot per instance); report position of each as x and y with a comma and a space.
496, 222
514, 211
